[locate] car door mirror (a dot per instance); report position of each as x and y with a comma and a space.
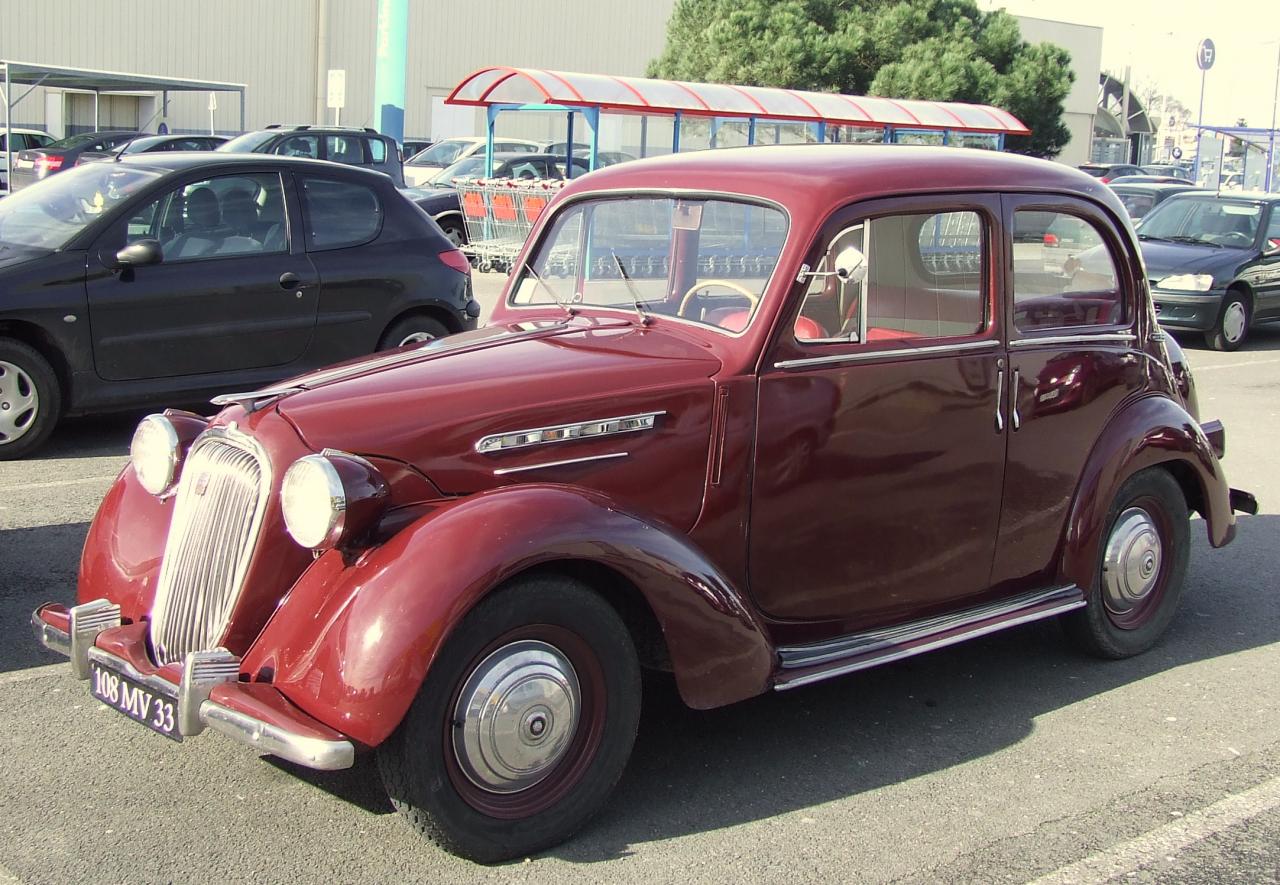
851, 265
140, 254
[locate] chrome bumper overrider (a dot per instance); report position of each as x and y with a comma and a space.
201, 673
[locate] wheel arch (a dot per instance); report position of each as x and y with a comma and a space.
35, 337
445, 317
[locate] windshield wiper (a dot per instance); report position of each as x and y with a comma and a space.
1195, 240
631, 290
1142, 236
569, 311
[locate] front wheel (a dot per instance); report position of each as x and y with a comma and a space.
1141, 568
1232, 326
522, 726
30, 399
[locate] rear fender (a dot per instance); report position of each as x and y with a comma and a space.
352, 641
1152, 431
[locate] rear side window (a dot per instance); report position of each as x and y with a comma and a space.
339, 213
377, 150
1063, 273
1137, 205
299, 146
347, 149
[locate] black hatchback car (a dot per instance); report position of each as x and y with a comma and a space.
169, 277
352, 147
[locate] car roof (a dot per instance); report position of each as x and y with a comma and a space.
179, 161
818, 177
19, 130
1155, 186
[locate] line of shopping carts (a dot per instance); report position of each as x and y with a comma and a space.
499, 213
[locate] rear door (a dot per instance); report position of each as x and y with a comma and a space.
234, 291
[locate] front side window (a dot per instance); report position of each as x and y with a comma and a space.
1273, 229
231, 215
921, 276
339, 213
1063, 273
707, 261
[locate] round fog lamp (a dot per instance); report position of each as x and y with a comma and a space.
154, 453
314, 502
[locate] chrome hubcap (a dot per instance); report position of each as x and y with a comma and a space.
417, 338
1233, 321
516, 716
19, 403
1131, 565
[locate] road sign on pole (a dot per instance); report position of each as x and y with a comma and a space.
337, 93
213, 106
1206, 55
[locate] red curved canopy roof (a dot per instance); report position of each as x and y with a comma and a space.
639, 95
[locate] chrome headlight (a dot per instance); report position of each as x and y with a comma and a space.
1187, 282
155, 453
331, 498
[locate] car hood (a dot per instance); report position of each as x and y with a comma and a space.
12, 255
1164, 259
428, 406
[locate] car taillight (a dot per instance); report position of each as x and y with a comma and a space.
455, 259
48, 163
1051, 239
1105, 179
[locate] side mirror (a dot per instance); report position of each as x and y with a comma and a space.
851, 265
140, 254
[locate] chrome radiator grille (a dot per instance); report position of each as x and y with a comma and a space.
218, 512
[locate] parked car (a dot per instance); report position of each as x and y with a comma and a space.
23, 139
1168, 170
174, 275
1139, 198
1232, 181
422, 166
351, 147
156, 143
759, 418
36, 164
411, 146
1149, 179
1107, 171
441, 201
1214, 264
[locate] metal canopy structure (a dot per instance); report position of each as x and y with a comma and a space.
32, 75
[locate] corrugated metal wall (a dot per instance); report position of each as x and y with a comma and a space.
271, 45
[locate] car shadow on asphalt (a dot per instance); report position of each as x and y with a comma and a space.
1264, 338
37, 565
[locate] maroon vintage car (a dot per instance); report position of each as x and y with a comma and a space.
758, 417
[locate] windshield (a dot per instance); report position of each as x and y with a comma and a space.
706, 261
72, 141
471, 167
247, 143
442, 153
1206, 220
50, 212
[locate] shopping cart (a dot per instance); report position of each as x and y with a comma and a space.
499, 215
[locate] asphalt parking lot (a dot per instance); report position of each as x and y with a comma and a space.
1003, 760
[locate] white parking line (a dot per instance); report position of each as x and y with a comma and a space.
1168, 839
33, 673
59, 483
1196, 370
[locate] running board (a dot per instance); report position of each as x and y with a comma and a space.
802, 664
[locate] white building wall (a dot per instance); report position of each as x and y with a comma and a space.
1084, 42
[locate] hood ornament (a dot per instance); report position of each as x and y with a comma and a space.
254, 400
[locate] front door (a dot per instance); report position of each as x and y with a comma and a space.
231, 293
1072, 325
880, 437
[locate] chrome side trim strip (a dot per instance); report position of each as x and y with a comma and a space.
505, 470
1097, 338
877, 647
541, 436
930, 350
317, 753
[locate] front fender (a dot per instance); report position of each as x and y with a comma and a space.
351, 643
1153, 430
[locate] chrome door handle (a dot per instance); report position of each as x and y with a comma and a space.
1014, 418
999, 396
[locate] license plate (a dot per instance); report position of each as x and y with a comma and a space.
139, 703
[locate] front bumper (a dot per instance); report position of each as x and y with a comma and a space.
1196, 312
206, 691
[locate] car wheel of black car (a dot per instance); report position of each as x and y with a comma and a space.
415, 329
523, 725
1142, 564
454, 231
30, 399
1232, 327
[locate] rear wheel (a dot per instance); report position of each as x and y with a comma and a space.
1232, 326
1141, 568
454, 230
416, 329
522, 726
30, 399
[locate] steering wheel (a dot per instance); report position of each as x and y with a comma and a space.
752, 298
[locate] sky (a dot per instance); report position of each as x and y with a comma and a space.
1158, 39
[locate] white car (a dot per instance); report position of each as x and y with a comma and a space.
424, 165
23, 140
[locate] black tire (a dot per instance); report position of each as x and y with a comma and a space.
425, 771
30, 399
1119, 624
1228, 332
454, 230
414, 329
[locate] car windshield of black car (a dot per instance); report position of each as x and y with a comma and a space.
51, 212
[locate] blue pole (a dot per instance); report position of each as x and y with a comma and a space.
715, 130
675, 133
492, 115
593, 120
1195, 170
391, 44
822, 131
568, 148
751, 130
